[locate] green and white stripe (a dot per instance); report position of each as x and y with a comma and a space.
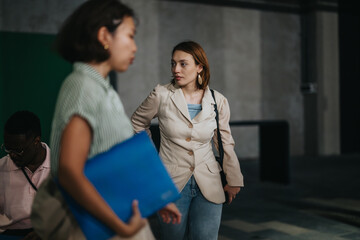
87, 94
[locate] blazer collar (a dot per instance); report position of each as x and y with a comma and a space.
179, 101
207, 107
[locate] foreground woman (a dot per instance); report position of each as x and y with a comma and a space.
89, 118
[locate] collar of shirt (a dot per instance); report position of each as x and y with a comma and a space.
93, 73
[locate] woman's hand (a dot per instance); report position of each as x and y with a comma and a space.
170, 212
136, 222
231, 192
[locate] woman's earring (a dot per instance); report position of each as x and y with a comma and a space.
199, 79
106, 47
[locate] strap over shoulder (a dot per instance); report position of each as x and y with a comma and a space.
220, 145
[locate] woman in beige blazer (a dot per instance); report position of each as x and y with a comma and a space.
185, 111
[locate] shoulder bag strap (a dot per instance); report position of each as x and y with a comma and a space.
27, 177
220, 145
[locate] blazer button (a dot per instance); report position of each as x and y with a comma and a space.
190, 125
192, 169
188, 139
190, 153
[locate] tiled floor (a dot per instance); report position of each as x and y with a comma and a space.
321, 202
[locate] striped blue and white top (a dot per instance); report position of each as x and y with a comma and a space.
88, 94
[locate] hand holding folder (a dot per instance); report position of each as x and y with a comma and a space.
129, 170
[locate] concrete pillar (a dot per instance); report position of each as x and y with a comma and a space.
328, 83
321, 83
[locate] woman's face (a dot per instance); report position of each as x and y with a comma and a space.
122, 45
184, 69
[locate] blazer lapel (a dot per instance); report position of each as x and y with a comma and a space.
179, 101
207, 107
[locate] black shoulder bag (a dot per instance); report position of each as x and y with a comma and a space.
220, 146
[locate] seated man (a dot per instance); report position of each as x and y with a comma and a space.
22, 170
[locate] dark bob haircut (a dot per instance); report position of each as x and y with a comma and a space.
198, 53
77, 39
23, 123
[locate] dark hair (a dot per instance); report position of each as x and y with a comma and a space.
23, 122
199, 56
77, 39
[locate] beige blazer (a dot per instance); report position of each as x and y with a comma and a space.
185, 146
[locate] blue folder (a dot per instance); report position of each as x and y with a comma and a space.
129, 170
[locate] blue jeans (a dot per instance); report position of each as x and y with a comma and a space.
200, 218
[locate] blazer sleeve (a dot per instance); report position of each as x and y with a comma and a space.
231, 165
141, 118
